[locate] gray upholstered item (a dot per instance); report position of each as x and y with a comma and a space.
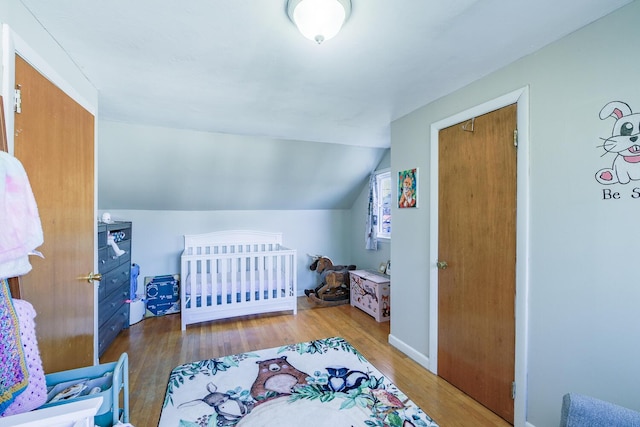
585, 411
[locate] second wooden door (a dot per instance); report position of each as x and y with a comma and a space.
476, 254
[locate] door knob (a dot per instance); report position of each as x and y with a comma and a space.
92, 277
442, 265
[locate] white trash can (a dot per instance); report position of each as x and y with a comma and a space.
136, 311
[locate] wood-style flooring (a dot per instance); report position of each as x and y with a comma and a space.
156, 345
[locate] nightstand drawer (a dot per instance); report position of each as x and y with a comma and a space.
112, 327
115, 279
111, 304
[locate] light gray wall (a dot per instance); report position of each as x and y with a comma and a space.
160, 168
339, 234
583, 283
158, 236
155, 168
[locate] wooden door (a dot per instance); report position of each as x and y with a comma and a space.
54, 140
477, 239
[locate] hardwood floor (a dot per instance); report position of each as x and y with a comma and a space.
156, 345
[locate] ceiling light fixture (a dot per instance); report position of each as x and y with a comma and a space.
319, 20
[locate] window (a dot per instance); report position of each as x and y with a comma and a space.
383, 185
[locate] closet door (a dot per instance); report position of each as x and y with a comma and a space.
477, 239
54, 140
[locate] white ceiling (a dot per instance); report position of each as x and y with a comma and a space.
241, 67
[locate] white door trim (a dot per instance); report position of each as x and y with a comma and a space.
521, 97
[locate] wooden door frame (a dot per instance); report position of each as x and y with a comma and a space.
521, 98
14, 45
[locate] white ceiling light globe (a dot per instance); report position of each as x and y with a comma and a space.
319, 20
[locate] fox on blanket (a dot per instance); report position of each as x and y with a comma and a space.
333, 281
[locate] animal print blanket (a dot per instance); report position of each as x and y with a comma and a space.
318, 383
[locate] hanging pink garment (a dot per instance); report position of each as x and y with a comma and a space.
20, 226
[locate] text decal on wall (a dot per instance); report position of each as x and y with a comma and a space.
625, 145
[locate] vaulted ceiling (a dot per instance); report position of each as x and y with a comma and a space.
240, 67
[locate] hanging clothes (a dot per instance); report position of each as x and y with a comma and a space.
371, 234
14, 374
35, 394
20, 226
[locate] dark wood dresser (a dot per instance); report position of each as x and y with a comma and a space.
114, 288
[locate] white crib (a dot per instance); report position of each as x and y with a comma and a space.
235, 273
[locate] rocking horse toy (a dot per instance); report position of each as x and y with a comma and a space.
333, 282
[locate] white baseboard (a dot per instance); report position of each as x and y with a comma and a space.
419, 358
415, 355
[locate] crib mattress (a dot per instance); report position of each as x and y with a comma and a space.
254, 281
274, 289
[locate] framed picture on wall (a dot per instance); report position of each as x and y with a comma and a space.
408, 188
383, 267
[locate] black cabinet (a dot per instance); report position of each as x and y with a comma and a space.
114, 260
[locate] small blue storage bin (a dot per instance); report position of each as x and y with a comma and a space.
111, 378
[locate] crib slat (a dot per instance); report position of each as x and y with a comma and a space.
206, 282
197, 281
273, 261
216, 279
229, 294
243, 278
261, 282
278, 274
285, 281
252, 277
